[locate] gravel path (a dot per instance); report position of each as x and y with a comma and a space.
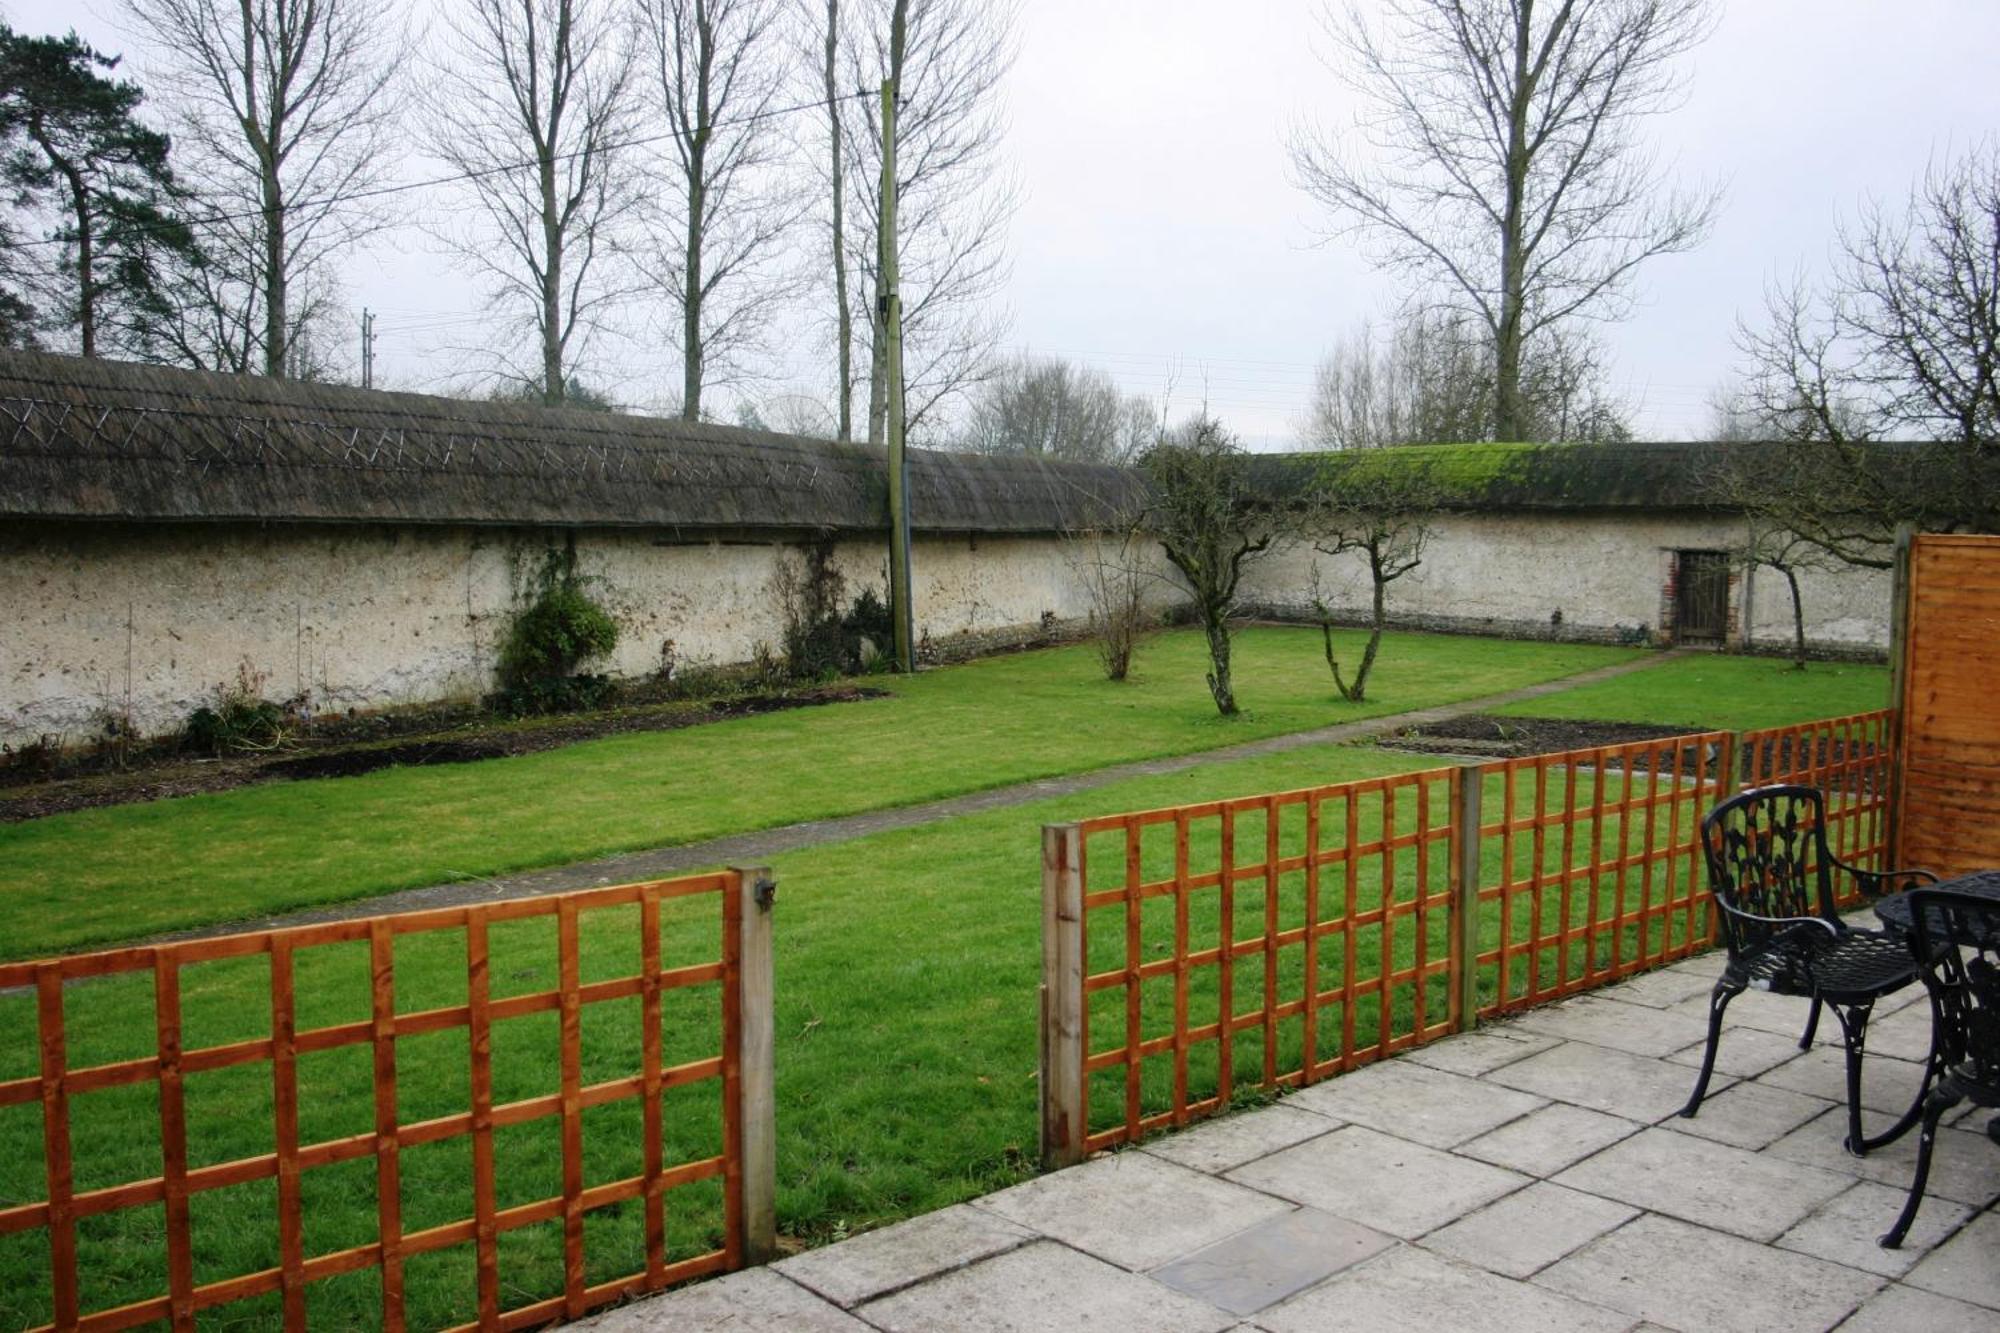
762, 846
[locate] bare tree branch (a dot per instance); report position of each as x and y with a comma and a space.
285, 110
542, 82
1500, 164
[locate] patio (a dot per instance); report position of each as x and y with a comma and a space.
1532, 1174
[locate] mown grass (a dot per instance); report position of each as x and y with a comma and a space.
1709, 691
907, 967
96, 876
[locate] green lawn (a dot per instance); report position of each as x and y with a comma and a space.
1714, 692
907, 965
97, 876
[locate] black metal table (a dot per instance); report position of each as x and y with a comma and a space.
1894, 913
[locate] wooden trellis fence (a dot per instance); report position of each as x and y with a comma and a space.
734, 904
1275, 940
1854, 761
1592, 868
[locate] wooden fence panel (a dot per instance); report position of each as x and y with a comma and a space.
1272, 941
714, 906
1850, 759
1948, 815
1592, 869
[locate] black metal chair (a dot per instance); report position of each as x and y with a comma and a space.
1771, 871
1957, 937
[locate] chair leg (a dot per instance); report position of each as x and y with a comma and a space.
1934, 1108
1718, 1000
1812, 1026
1854, 1037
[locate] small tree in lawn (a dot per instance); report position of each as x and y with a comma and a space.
1774, 546
1382, 508
1112, 565
1201, 514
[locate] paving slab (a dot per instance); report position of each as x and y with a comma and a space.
1742, 1052
1600, 1079
1133, 1209
1623, 1027
1042, 1288
1963, 1268
1415, 1102
1691, 1278
1749, 1115
1784, 1015
868, 1265
1408, 1290
1481, 1052
1526, 1232
1231, 1140
1380, 1181
756, 1300
1847, 1228
1665, 987
1557, 1136
1965, 1167
1709, 1184
1900, 1309
1888, 1085
1272, 1260
1904, 1034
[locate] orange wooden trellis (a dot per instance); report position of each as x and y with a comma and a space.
1610, 880
63, 1207
1851, 759
1360, 869
1545, 876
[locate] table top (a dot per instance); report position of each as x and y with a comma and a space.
1894, 911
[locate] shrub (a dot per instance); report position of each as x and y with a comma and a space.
240, 719
820, 640
550, 638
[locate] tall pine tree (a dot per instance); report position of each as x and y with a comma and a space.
97, 183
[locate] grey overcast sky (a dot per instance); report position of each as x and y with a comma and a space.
1160, 239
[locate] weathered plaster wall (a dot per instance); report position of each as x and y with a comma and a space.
102, 619
1605, 573
148, 619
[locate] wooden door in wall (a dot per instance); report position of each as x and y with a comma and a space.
1701, 596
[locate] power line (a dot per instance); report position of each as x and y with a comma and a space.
430, 182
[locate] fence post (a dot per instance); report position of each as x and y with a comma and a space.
1062, 1054
1465, 821
755, 1065
1899, 683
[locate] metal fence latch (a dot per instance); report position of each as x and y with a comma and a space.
764, 892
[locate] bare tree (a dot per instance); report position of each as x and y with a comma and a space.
1112, 564
1050, 407
945, 60
1501, 164
285, 113
1202, 515
1383, 511
1431, 382
822, 26
715, 70
535, 127
1885, 385
1427, 383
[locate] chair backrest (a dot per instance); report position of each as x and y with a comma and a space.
1957, 939
1767, 855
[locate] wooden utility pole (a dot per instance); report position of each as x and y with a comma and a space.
899, 461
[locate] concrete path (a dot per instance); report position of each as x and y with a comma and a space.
759, 847
1532, 1175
